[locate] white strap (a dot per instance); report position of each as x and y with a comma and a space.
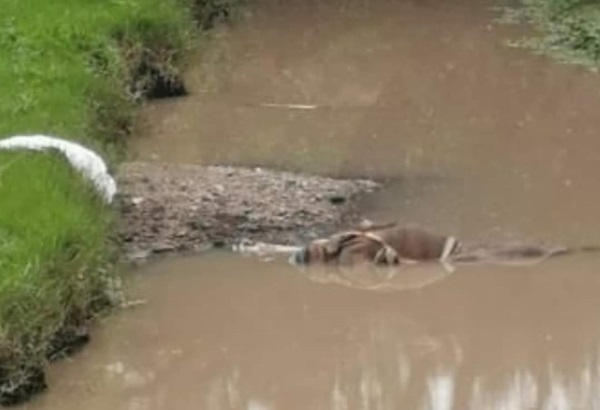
449, 246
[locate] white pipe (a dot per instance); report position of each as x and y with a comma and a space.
86, 161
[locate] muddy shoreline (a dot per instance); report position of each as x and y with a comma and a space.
168, 208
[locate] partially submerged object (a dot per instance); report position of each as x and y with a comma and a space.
364, 277
84, 160
393, 244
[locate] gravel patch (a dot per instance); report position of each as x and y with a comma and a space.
168, 208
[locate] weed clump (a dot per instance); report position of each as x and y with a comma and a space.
569, 30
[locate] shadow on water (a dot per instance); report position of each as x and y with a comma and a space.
480, 140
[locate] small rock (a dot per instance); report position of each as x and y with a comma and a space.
163, 248
138, 255
127, 237
219, 243
158, 209
337, 199
137, 200
250, 227
194, 225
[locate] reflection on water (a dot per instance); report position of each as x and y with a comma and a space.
228, 332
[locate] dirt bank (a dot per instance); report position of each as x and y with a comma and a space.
188, 208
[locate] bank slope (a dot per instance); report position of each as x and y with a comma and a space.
73, 69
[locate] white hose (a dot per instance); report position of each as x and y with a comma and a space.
86, 161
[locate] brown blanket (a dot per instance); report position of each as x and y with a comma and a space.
392, 244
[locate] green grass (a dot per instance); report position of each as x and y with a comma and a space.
67, 68
65, 59
568, 30
53, 243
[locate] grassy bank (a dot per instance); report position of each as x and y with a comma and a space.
568, 30
53, 249
73, 69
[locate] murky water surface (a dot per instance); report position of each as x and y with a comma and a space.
223, 332
478, 140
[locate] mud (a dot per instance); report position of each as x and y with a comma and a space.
19, 385
168, 208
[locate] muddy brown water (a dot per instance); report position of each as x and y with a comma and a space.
476, 139
223, 332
